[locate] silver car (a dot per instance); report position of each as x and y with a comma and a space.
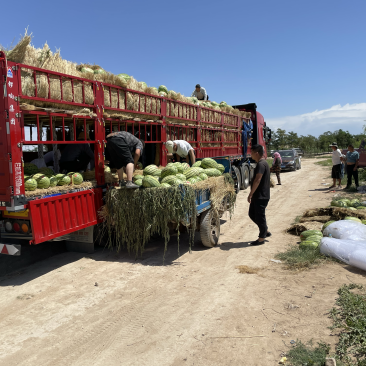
290, 160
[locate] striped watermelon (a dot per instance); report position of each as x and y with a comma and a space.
185, 166
181, 176
200, 170
77, 178
208, 163
165, 185
30, 169
150, 169
169, 179
177, 182
197, 164
163, 88
179, 167
43, 182
47, 172
157, 173
212, 172
191, 172
63, 179
203, 176
350, 218
30, 184
221, 168
137, 177
149, 182
138, 182
198, 179
169, 170
192, 180
305, 234
53, 181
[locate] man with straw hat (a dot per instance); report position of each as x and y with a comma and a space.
76, 157
337, 165
180, 149
123, 152
200, 93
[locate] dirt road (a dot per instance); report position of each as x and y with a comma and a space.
197, 309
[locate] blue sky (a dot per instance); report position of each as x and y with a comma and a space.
292, 58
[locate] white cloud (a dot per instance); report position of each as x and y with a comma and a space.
350, 118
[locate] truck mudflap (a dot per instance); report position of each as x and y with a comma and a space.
10, 249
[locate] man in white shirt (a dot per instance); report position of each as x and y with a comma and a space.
200, 93
337, 165
182, 149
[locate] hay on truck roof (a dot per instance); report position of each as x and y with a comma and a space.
131, 217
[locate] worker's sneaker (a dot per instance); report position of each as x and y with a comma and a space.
122, 183
129, 184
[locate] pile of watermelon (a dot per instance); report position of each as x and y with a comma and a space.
44, 178
178, 173
354, 204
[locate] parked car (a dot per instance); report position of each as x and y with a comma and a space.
299, 151
290, 159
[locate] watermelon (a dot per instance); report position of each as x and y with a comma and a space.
197, 178
154, 176
162, 94
179, 167
53, 181
124, 76
63, 179
150, 169
169, 179
208, 163
139, 166
327, 224
223, 103
177, 182
76, 178
138, 182
99, 71
352, 208
307, 233
191, 172
30, 169
163, 88
169, 170
43, 182
203, 176
165, 185
364, 222
361, 208
185, 166
181, 176
157, 173
107, 169
30, 184
196, 164
309, 244
87, 69
47, 171
137, 177
353, 219
212, 172
338, 203
221, 168
355, 203
192, 180
149, 182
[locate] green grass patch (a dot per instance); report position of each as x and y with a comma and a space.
327, 162
297, 258
308, 354
349, 318
270, 161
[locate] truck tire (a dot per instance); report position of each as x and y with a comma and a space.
237, 178
245, 177
209, 229
251, 174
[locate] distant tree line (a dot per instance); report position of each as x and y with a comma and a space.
286, 140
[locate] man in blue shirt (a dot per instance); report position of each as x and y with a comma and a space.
352, 159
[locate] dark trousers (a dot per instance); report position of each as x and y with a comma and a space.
77, 165
257, 213
352, 173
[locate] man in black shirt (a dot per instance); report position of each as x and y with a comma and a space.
123, 152
260, 194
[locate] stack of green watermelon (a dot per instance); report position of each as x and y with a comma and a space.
178, 173
310, 239
346, 203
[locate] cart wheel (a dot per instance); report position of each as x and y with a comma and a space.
210, 229
245, 177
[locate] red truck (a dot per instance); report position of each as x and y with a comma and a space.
53, 217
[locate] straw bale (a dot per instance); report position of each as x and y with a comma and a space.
297, 229
338, 213
17, 54
67, 90
316, 218
106, 96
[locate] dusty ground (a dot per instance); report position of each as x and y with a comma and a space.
197, 309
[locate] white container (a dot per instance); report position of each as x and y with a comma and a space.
341, 249
346, 229
358, 259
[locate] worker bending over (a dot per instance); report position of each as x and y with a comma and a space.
200, 93
123, 152
180, 149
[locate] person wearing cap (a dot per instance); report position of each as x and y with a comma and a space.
123, 151
337, 165
181, 149
76, 157
200, 93
352, 159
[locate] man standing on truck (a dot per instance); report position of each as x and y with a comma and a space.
181, 149
260, 194
76, 157
123, 152
200, 93
337, 165
352, 159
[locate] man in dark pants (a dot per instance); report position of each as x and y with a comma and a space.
123, 151
352, 158
260, 194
